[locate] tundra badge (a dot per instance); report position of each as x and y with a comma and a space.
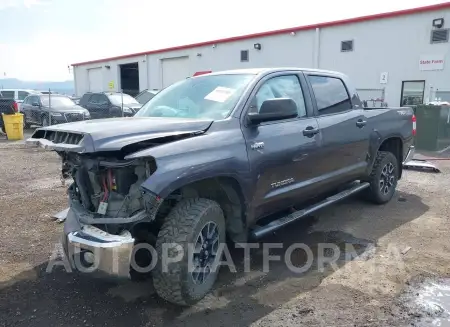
257, 145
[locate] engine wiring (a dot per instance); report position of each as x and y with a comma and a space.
105, 190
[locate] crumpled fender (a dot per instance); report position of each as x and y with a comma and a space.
179, 163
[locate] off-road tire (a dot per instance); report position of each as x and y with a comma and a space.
182, 226
373, 193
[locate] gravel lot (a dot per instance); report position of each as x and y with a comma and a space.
363, 292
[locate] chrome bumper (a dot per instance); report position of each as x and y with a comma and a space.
107, 253
410, 154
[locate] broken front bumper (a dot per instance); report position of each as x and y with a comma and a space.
90, 249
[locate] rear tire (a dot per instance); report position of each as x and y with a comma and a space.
194, 222
383, 179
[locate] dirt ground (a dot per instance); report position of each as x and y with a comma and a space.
405, 239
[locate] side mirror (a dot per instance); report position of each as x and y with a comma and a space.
35, 104
274, 109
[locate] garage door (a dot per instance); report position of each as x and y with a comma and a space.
95, 79
174, 70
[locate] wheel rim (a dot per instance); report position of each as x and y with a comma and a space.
205, 252
387, 178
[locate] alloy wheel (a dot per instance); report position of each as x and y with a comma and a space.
205, 252
387, 178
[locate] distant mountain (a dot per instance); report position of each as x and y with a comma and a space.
66, 87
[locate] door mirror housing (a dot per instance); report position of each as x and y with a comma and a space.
35, 104
274, 109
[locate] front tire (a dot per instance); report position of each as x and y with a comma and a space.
383, 179
197, 222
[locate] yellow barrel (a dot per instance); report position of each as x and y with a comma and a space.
13, 126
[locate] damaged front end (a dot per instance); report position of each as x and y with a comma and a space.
106, 201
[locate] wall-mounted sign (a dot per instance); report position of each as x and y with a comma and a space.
111, 85
384, 78
431, 62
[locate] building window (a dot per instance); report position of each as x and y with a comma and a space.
439, 36
347, 46
244, 55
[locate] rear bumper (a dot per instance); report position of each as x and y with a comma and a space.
410, 154
90, 249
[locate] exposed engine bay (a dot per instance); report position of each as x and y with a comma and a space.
105, 187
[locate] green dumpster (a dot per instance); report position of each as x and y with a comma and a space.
433, 127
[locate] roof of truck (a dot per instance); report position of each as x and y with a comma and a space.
256, 71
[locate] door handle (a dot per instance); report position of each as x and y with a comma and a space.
361, 123
310, 131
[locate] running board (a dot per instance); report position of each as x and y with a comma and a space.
260, 231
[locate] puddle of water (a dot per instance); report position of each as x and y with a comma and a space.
432, 303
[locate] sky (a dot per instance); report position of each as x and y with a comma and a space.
41, 38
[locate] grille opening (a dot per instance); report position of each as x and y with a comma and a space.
59, 137
439, 36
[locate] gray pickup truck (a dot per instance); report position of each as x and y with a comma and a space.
209, 157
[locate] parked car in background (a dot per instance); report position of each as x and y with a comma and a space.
51, 109
146, 96
18, 94
109, 104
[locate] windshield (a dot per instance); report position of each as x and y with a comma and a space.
57, 101
209, 96
116, 99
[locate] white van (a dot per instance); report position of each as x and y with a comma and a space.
18, 94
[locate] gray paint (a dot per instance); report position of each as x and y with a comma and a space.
339, 153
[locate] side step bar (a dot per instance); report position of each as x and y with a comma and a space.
261, 231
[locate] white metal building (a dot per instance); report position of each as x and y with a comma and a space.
401, 57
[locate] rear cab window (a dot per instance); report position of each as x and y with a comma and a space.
330, 93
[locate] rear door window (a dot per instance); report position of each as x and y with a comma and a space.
331, 94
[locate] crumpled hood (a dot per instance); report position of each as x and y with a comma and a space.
112, 134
